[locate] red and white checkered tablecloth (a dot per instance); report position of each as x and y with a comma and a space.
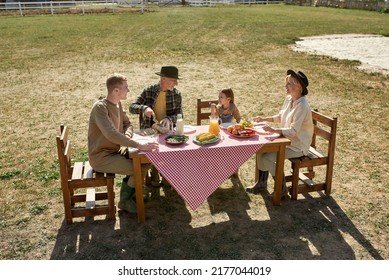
194, 171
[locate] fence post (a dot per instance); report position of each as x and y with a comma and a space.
113, 6
83, 8
51, 7
20, 9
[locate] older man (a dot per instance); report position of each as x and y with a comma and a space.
159, 103
109, 130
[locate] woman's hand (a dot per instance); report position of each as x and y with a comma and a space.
270, 129
258, 119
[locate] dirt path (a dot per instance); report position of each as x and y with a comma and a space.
371, 50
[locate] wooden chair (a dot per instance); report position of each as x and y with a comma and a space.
325, 132
79, 176
204, 105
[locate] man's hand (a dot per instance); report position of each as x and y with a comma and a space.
149, 112
161, 129
148, 146
167, 123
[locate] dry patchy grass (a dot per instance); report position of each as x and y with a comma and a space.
351, 224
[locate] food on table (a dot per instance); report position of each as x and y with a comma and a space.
246, 124
240, 130
205, 136
176, 139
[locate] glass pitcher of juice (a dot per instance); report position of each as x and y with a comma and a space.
214, 125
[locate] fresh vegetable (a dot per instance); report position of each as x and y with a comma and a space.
173, 138
246, 124
238, 130
205, 136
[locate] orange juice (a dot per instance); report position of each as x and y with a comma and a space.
214, 125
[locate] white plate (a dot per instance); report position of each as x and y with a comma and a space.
226, 124
259, 123
189, 129
144, 140
207, 142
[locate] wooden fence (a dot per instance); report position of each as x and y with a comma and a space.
73, 6
371, 5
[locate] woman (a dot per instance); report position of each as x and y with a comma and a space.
295, 119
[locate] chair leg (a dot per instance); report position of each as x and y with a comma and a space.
67, 201
328, 183
295, 181
111, 199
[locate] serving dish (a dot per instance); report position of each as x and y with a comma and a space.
175, 140
206, 142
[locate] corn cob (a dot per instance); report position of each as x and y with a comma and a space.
206, 136
200, 135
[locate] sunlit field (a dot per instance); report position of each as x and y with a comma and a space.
53, 68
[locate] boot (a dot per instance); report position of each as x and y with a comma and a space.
261, 184
126, 201
154, 178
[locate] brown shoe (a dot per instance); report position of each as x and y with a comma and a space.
257, 188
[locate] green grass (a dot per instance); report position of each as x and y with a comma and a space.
166, 32
54, 67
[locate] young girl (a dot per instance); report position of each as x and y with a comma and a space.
226, 110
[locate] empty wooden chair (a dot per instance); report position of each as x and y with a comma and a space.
80, 176
204, 109
320, 154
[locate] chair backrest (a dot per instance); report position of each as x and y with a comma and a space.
204, 105
64, 154
325, 128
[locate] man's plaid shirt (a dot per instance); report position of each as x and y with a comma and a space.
148, 98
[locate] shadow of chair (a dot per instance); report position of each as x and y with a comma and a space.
314, 229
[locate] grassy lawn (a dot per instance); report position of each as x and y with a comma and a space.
54, 67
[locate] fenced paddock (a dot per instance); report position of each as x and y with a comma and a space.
113, 6
61, 7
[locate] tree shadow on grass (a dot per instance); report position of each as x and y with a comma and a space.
250, 228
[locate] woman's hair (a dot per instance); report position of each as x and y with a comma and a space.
229, 93
115, 80
294, 81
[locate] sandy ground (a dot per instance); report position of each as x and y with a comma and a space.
371, 50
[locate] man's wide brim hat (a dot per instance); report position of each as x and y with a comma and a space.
301, 78
169, 72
